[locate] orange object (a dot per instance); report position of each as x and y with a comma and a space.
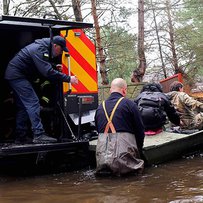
167, 81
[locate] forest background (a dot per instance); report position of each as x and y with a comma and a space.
143, 40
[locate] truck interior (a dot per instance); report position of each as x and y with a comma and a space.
16, 33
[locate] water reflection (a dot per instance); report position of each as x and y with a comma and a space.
176, 182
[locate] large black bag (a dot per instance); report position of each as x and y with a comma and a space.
151, 110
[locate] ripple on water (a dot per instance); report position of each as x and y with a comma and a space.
199, 173
195, 199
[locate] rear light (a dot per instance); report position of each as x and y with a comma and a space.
86, 99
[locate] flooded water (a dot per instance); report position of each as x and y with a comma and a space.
180, 181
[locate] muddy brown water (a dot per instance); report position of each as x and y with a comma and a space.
180, 181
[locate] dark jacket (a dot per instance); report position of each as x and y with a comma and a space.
33, 61
126, 118
154, 107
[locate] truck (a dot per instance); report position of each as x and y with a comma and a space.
67, 111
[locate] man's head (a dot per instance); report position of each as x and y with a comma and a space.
119, 85
59, 45
176, 86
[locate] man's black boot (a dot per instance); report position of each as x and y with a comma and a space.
43, 138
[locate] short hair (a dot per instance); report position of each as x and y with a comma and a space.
175, 86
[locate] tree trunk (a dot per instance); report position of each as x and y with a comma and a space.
101, 56
77, 10
159, 44
177, 69
55, 9
138, 73
6, 7
172, 42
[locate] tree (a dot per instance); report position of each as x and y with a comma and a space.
165, 23
77, 10
138, 73
191, 41
6, 4
120, 50
158, 40
33, 8
172, 40
112, 14
101, 56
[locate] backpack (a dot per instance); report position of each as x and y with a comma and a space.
151, 110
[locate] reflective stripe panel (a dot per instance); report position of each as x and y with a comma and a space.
82, 62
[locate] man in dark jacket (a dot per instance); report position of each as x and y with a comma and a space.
26, 66
126, 118
154, 106
128, 137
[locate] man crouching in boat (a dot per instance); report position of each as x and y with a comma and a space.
155, 108
121, 133
189, 109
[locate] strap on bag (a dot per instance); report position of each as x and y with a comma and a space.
109, 119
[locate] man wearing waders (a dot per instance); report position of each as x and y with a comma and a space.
121, 133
